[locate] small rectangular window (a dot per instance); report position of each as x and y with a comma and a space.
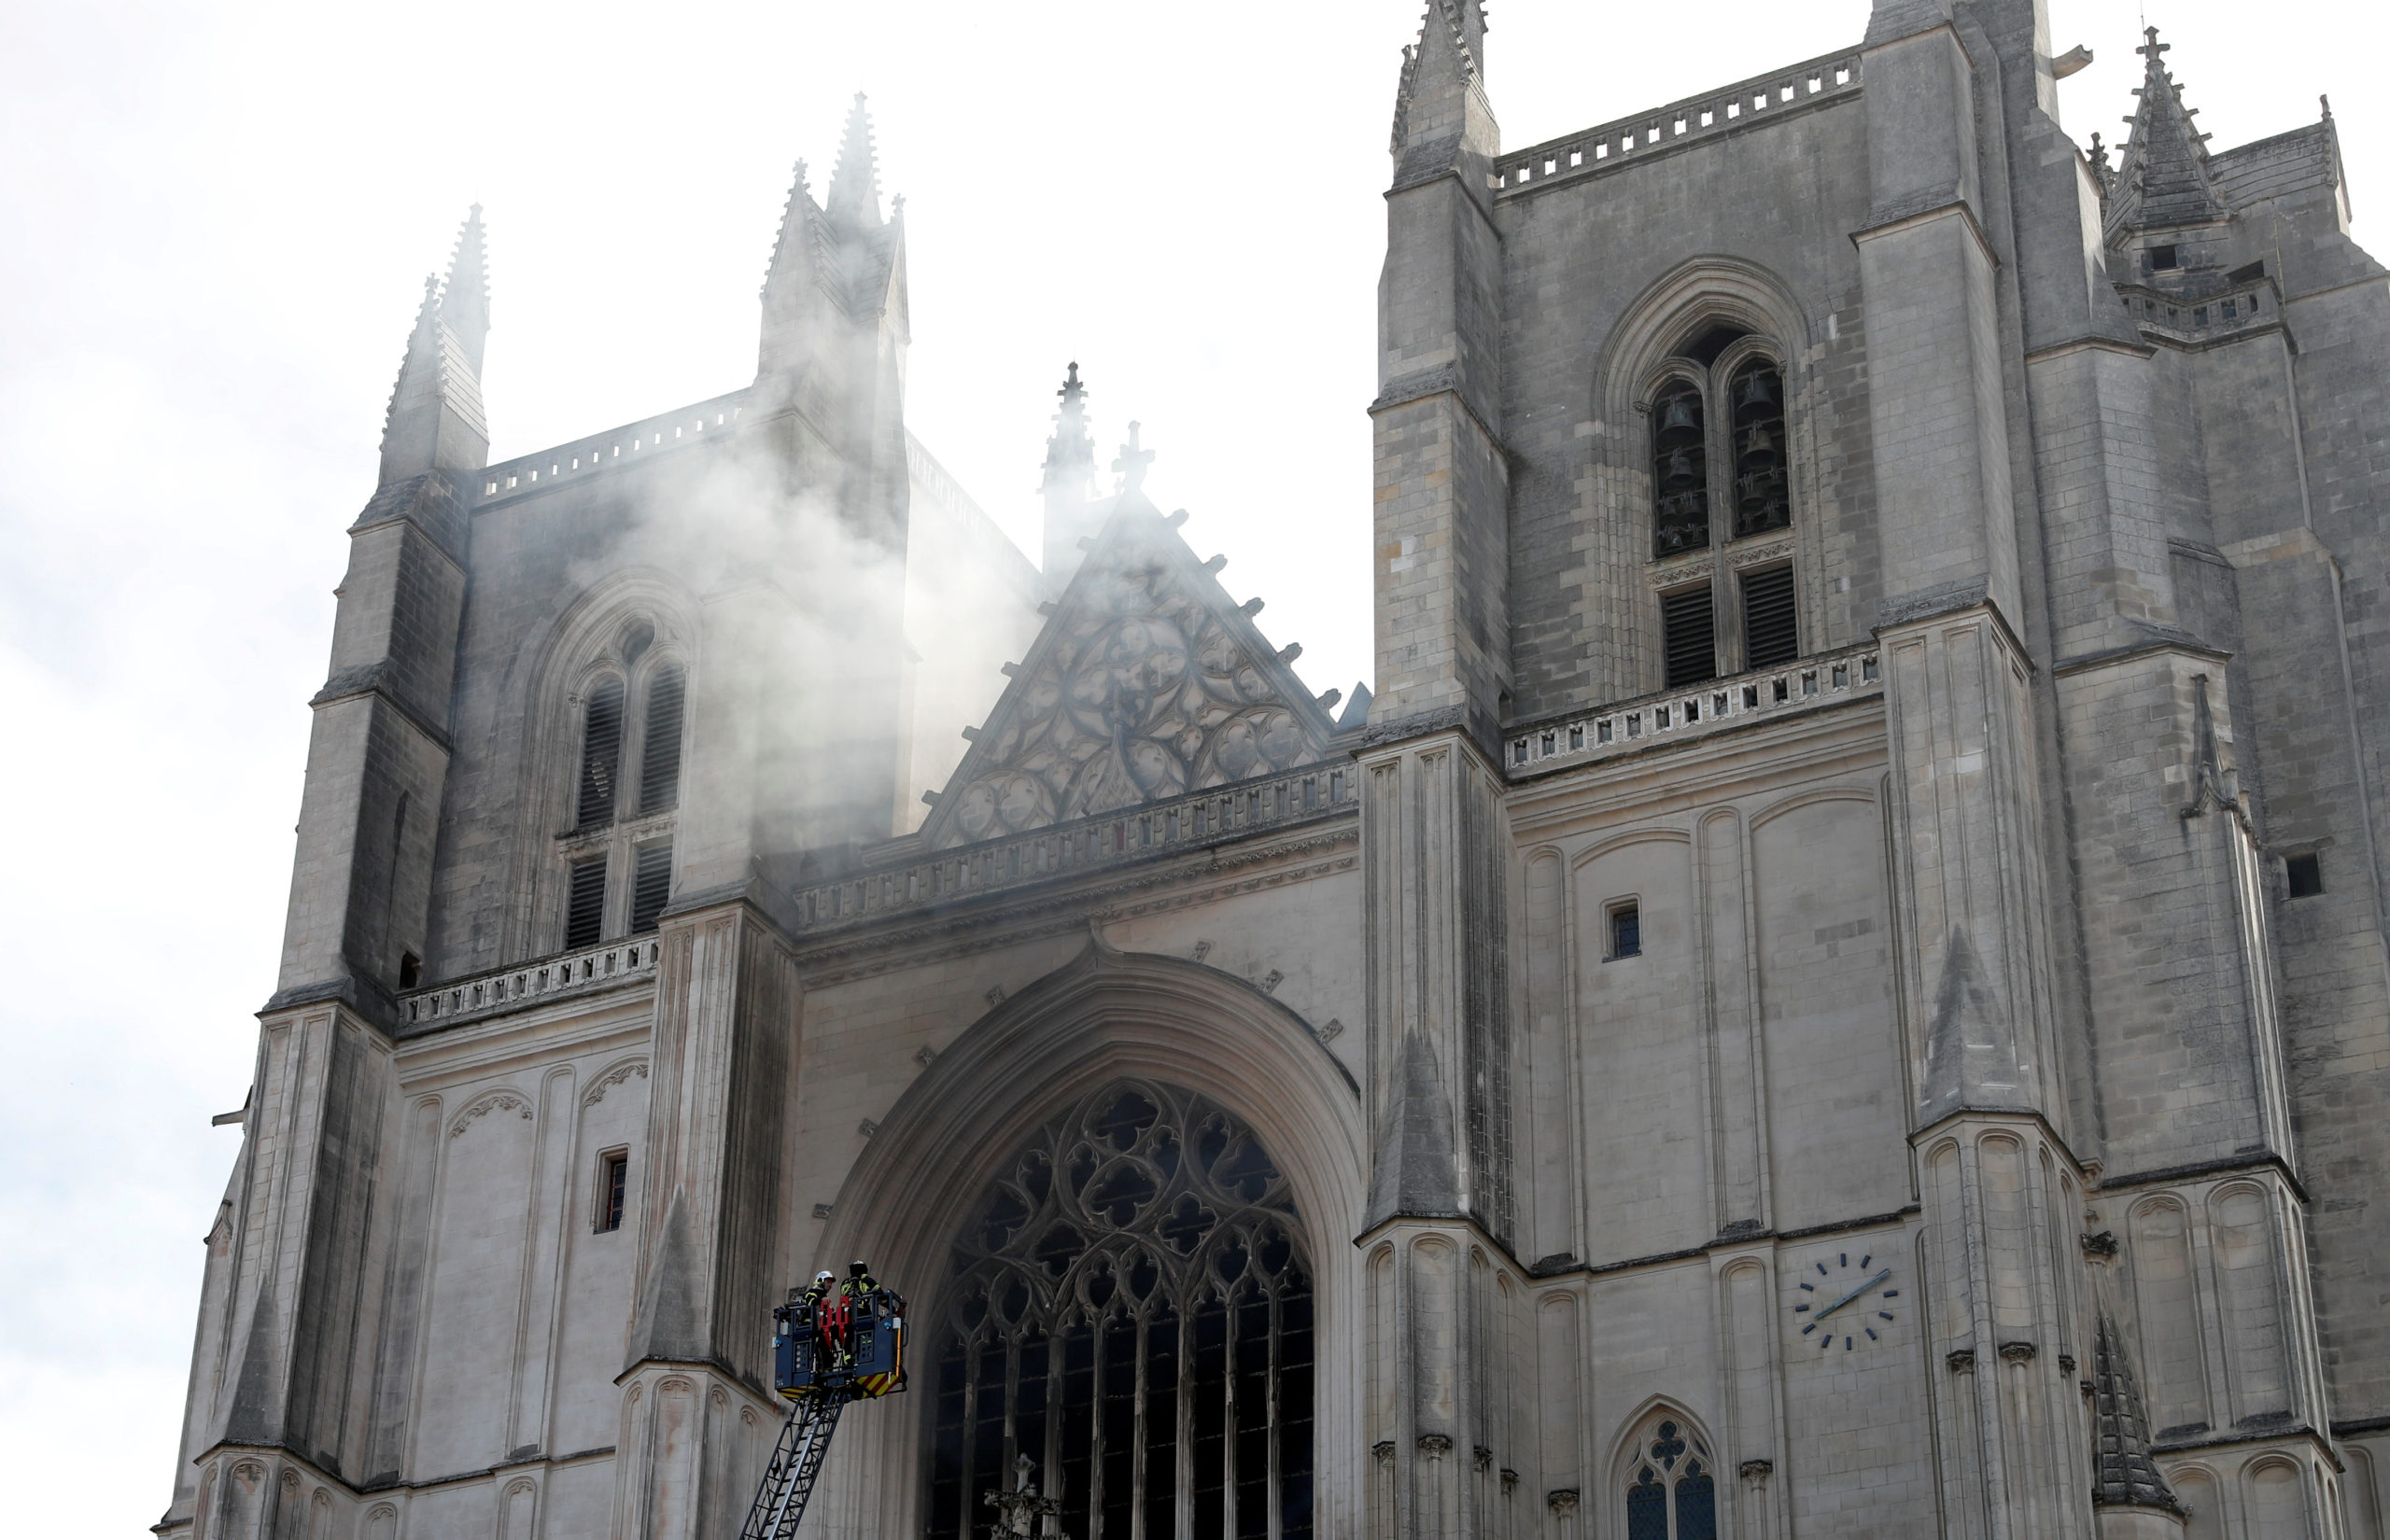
1626, 931
613, 1188
2306, 875
584, 907
1771, 628
651, 886
2163, 258
1688, 638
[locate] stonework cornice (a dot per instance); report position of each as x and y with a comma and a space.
1015, 916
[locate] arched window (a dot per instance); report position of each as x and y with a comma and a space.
1671, 1490
602, 753
1679, 471
1763, 498
1128, 1330
659, 760
1717, 419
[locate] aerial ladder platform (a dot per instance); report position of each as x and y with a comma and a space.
836, 1342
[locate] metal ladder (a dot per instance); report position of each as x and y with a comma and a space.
796, 1461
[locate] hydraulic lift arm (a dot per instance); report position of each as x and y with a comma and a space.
830, 1344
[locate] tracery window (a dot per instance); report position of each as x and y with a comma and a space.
1131, 1315
1671, 1490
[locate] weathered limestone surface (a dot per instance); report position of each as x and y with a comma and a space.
1931, 1079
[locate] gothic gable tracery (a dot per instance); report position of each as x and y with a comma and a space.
1146, 683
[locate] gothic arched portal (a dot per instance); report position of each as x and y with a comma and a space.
1131, 1314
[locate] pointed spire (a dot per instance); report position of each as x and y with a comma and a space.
464, 303
1070, 454
793, 248
854, 185
1069, 483
1439, 104
2164, 175
435, 418
2127, 1474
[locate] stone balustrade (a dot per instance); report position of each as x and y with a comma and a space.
586, 970
1189, 822
613, 447
1697, 710
1725, 110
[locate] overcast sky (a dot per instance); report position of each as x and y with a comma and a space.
218, 221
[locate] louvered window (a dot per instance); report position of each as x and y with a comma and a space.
1129, 1334
1688, 636
1763, 500
602, 753
584, 909
1771, 628
651, 886
1680, 472
659, 760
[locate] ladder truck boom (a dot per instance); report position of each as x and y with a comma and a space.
833, 1343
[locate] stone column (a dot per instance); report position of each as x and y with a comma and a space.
696, 1390
1435, 858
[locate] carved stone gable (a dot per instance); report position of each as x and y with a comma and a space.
1146, 684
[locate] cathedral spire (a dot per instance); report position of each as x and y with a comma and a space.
464, 302
2163, 181
435, 421
854, 185
793, 252
1069, 483
1440, 106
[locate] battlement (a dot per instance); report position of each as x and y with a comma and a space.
1730, 109
612, 449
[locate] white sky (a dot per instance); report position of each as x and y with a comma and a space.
222, 215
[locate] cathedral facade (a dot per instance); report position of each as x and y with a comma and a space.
1837, 987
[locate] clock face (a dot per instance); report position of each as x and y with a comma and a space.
1846, 1297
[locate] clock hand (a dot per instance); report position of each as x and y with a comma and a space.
1880, 1275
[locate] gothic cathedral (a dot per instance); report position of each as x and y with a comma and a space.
1839, 986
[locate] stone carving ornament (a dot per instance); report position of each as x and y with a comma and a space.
1144, 693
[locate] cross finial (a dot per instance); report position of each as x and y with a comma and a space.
1130, 465
1071, 392
2152, 49
1018, 1510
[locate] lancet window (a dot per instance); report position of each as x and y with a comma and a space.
1671, 1488
618, 861
1719, 426
1128, 1333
